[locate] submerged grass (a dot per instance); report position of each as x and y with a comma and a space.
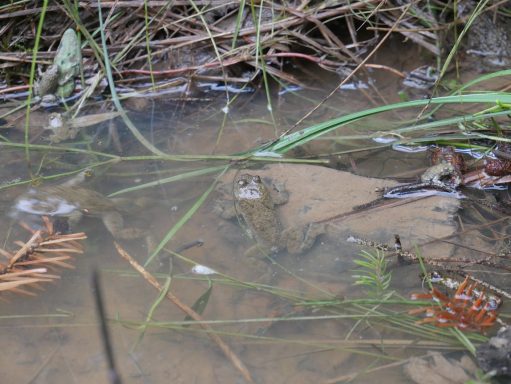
191, 211
292, 140
384, 307
381, 307
134, 130
32, 78
385, 311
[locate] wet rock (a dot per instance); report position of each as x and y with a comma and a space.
489, 36
495, 355
320, 194
439, 370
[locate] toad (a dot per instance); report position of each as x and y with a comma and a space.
444, 177
70, 200
256, 203
59, 78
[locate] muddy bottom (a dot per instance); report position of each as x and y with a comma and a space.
257, 306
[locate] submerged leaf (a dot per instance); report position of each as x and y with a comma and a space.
200, 305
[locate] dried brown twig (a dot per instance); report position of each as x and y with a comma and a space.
411, 257
238, 364
29, 265
181, 37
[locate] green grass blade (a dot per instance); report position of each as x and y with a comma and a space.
170, 234
149, 146
143, 327
32, 78
171, 179
285, 143
464, 340
201, 303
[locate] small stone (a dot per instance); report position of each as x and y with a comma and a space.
495, 355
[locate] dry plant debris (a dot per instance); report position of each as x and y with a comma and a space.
469, 309
202, 38
29, 266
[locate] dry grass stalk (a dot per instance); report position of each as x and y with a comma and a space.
29, 265
204, 39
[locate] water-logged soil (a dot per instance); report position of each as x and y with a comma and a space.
54, 336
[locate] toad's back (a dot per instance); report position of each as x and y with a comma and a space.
254, 202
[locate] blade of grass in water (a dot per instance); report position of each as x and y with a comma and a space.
150, 147
480, 79
260, 58
477, 10
182, 176
225, 109
182, 158
143, 326
463, 339
32, 78
202, 302
285, 143
485, 77
170, 234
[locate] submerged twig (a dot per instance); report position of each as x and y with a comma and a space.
113, 375
238, 364
411, 257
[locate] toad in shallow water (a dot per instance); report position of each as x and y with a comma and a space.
443, 176
59, 78
71, 201
256, 202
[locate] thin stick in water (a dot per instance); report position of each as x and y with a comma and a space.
238, 364
113, 375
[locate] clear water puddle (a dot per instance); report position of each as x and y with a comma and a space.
54, 337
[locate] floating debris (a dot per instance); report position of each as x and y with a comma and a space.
28, 266
409, 148
469, 309
203, 270
385, 139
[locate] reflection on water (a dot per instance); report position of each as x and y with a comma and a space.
54, 336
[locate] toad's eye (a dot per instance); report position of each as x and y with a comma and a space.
256, 179
242, 183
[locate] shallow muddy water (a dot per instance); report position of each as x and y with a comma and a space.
255, 306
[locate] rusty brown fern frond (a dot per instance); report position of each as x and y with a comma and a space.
25, 269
